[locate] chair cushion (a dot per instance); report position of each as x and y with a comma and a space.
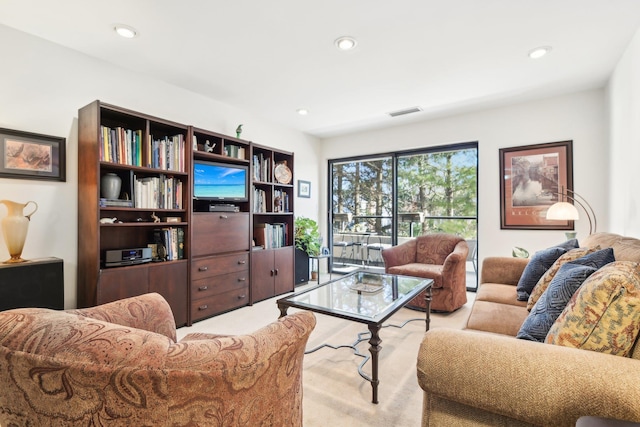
604, 315
428, 271
553, 301
540, 262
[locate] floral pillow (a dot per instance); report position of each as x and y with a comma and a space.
604, 315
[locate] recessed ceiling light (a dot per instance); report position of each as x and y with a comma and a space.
303, 111
125, 31
539, 52
346, 43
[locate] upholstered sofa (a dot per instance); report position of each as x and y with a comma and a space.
439, 256
483, 375
119, 365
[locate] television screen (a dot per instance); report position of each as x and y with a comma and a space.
219, 181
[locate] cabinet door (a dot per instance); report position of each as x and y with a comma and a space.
283, 262
262, 275
169, 279
220, 232
122, 282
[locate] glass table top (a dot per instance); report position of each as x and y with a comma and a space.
360, 295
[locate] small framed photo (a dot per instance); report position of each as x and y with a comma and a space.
26, 155
304, 189
532, 178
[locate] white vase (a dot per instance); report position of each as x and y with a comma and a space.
110, 186
14, 228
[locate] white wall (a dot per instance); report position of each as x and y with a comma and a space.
580, 117
43, 85
624, 114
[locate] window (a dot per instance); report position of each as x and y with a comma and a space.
383, 200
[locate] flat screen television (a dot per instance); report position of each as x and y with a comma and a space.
220, 181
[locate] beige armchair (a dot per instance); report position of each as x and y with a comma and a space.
119, 365
441, 257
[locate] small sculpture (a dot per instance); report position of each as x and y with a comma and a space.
155, 217
209, 146
108, 220
238, 131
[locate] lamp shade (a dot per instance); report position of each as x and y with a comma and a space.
563, 211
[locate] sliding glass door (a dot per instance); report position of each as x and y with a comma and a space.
380, 201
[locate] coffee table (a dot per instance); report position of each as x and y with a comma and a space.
364, 297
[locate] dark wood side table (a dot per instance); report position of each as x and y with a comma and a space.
34, 283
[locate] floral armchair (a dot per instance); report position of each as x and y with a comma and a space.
441, 257
118, 364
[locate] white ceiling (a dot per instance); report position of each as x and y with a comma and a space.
273, 57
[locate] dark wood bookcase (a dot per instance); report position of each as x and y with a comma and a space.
219, 267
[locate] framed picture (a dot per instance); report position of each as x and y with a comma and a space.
27, 155
532, 178
304, 189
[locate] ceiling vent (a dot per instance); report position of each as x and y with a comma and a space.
405, 111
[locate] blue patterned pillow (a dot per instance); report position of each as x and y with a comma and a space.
564, 284
540, 262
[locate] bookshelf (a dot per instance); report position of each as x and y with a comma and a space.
204, 262
151, 158
272, 258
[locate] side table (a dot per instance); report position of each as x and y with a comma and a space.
315, 260
33, 283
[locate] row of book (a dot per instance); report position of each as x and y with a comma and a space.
167, 153
271, 235
158, 192
259, 200
234, 151
280, 201
169, 243
262, 168
120, 145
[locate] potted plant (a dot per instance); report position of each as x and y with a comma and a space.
307, 241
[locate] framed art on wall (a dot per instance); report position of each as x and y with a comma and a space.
26, 155
304, 189
532, 178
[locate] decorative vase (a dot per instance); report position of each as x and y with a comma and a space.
110, 186
14, 227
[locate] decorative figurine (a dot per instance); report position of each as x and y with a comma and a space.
238, 131
155, 217
208, 146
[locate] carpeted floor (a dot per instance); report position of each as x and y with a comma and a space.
334, 392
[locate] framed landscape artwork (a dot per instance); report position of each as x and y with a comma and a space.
27, 155
532, 178
304, 189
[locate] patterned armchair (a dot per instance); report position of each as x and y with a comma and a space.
118, 364
441, 257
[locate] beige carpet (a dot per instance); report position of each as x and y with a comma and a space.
334, 392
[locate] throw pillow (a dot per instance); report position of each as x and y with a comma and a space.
604, 315
546, 278
568, 279
540, 262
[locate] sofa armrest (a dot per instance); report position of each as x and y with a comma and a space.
505, 270
542, 384
150, 312
402, 254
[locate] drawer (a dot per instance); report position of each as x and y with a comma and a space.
204, 288
213, 266
219, 232
217, 304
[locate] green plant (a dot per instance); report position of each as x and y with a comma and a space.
307, 236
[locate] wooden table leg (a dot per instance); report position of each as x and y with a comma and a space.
374, 350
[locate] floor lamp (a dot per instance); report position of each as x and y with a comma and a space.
567, 211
